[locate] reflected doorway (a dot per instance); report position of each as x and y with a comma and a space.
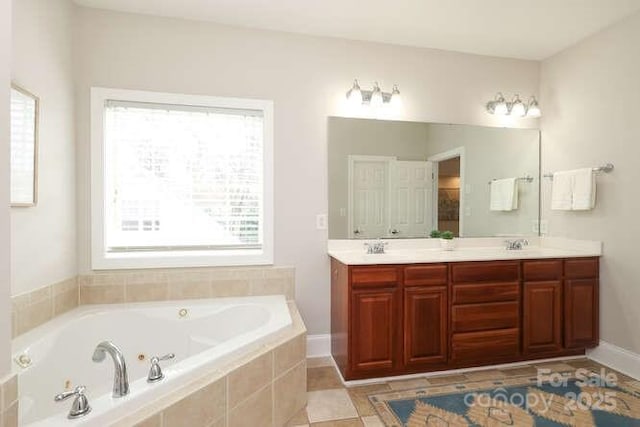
448, 197
389, 198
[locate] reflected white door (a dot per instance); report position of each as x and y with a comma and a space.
411, 188
370, 215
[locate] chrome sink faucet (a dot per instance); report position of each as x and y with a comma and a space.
120, 377
516, 245
375, 247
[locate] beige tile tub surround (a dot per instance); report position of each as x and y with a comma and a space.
9, 401
192, 283
264, 387
34, 308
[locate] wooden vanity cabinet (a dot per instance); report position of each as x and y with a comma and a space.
485, 312
560, 305
374, 320
399, 319
374, 327
581, 303
542, 307
425, 298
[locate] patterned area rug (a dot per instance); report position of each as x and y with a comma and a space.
569, 399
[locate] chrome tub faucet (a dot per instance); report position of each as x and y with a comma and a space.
120, 377
80, 406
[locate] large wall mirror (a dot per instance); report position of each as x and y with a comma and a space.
394, 179
24, 147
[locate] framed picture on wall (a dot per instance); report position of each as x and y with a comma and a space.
24, 147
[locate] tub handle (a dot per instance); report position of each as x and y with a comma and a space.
80, 405
155, 373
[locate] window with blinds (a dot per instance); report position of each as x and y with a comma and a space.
24, 116
182, 178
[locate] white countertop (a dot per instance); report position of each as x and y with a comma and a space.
415, 251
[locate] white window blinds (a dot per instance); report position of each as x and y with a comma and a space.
181, 177
23, 147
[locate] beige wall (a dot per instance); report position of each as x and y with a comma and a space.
307, 78
43, 241
5, 286
590, 98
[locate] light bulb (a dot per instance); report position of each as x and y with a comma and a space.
534, 109
500, 107
517, 107
396, 100
376, 96
354, 95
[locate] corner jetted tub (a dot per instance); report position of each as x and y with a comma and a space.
57, 356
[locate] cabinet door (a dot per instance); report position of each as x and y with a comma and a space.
374, 329
425, 326
542, 317
581, 313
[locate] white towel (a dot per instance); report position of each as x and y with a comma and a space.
504, 194
574, 190
584, 189
562, 191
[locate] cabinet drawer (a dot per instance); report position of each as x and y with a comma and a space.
374, 276
581, 268
534, 271
472, 293
486, 272
425, 275
485, 345
480, 317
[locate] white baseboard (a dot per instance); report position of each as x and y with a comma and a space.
617, 358
354, 383
319, 345
608, 354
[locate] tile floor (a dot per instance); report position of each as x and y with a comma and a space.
332, 404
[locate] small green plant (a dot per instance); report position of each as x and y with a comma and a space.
435, 234
447, 235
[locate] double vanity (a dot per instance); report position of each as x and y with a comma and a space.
417, 308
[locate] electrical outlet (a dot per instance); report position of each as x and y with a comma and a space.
321, 221
535, 226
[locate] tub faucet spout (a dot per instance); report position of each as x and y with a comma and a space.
120, 377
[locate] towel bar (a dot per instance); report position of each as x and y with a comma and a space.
600, 169
526, 178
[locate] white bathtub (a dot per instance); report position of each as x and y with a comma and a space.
61, 351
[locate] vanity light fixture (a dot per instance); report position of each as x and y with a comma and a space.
533, 110
517, 107
396, 99
354, 95
500, 107
375, 98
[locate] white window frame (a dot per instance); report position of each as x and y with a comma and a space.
101, 259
